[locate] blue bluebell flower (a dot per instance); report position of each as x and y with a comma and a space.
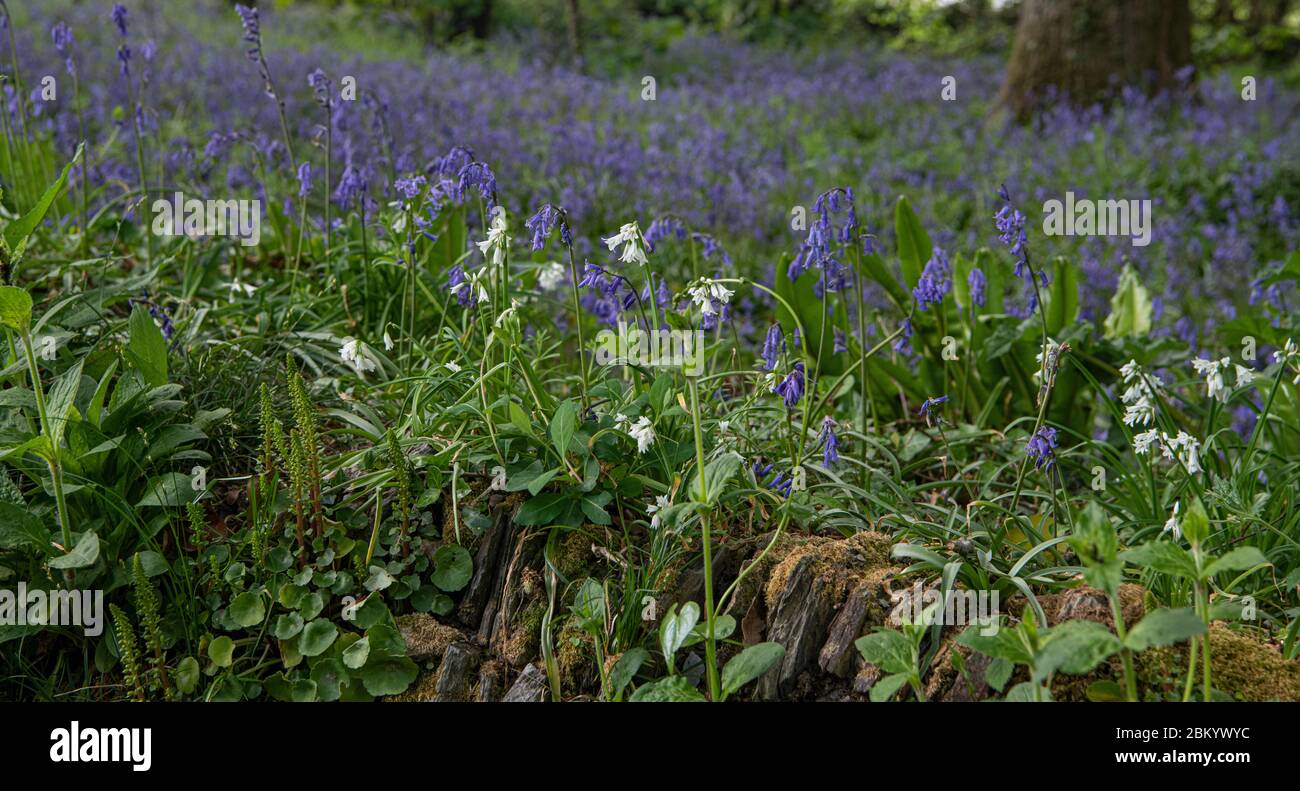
1041, 448
830, 444
791, 388
978, 287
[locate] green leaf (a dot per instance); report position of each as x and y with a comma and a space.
287, 626
563, 424
316, 637
1062, 297
1163, 557
1074, 647
356, 655
1195, 524
1239, 559
1130, 308
19, 527
673, 689
887, 649
887, 687
15, 308
717, 474
914, 245
749, 664
1164, 627
16, 232
621, 674
388, 675
187, 675
170, 490
1003, 644
247, 609
146, 348
84, 554
1105, 691
453, 567
222, 651
676, 627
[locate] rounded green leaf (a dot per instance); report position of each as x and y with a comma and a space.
222, 651
452, 567
316, 637
247, 609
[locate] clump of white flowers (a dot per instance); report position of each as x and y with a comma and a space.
1183, 447
1213, 370
1139, 397
633, 244
642, 430
353, 352
706, 292
497, 242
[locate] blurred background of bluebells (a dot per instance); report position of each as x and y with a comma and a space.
760, 107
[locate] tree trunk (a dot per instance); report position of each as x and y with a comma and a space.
1079, 49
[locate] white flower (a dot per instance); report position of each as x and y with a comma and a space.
630, 237
724, 426
452, 366
1172, 525
622, 422
1139, 412
708, 292
660, 503
1142, 442
1130, 369
353, 352
236, 286
1053, 349
1212, 370
388, 342
497, 242
550, 277
644, 434
1244, 376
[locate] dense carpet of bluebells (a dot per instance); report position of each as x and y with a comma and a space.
288, 463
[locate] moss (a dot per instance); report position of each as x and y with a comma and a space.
426, 638
572, 554
525, 635
839, 562
575, 653
1243, 666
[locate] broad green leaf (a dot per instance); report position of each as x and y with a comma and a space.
1163, 557
914, 245
84, 554
247, 609
16, 232
673, 689
1062, 306
221, 651
388, 675
453, 567
676, 627
1074, 647
623, 671
316, 637
1130, 308
15, 308
187, 675
1195, 524
749, 664
1239, 559
563, 425
887, 687
171, 490
717, 474
888, 649
1164, 627
19, 527
146, 348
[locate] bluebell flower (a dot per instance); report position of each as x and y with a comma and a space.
791, 388
119, 18
320, 87
935, 281
543, 222
1041, 448
978, 287
773, 345
477, 176
304, 179
903, 340
841, 342
930, 407
830, 444
409, 188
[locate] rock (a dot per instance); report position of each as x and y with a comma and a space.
454, 673
530, 687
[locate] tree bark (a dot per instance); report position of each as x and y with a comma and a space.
1080, 50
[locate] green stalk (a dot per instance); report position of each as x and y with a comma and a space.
56, 469
710, 645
